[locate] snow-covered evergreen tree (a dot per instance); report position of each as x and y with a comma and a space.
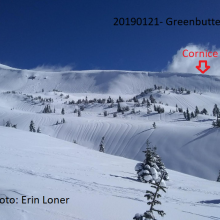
138, 216
154, 125
153, 200
32, 127
101, 146
160, 165
152, 167
62, 111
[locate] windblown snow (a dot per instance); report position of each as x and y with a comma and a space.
104, 186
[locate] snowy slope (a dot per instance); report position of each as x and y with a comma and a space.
102, 81
189, 147
99, 186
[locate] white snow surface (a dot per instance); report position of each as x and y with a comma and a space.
103, 186
102, 81
99, 186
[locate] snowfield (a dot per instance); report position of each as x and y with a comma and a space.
99, 186
104, 186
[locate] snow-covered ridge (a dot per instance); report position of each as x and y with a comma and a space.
102, 81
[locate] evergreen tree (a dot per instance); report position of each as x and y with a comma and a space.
138, 217
153, 200
154, 125
105, 113
192, 115
79, 113
152, 99
63, 121
196, 111
32, 127
62, 111
148, 103
204, 111
8, 124
38, 130
101, 146
152, 167
119, 107
184, 114
187, 115
215, 110
160, 164
218, 179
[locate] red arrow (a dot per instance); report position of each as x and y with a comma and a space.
206, 66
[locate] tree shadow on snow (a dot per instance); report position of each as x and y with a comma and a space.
203, 134
128, 178
205, 216
215, 201
204, 120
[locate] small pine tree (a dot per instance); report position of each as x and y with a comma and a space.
62, 111
105, 113
196, 111
192, 115
153, 196
154, 125
63, 121
119, 107
204, 111
187, 115
101, 146
184, 114
215, 110
8, 124
32, 127
148, 103
79, 113
218, 179
38, 130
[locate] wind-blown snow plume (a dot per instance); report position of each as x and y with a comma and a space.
183, 64
54, 68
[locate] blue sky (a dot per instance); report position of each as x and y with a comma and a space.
81, 33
